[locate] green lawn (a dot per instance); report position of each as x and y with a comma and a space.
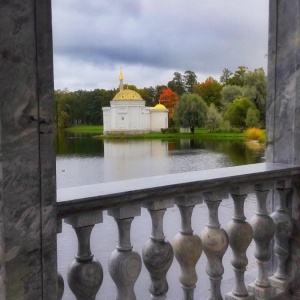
97, 129
199, 133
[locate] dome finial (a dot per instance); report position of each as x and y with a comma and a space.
121, 80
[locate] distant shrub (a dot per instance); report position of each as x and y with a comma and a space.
252, 118
214, 119
226, 126
169, 130
255, 134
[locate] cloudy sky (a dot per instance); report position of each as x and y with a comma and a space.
152, 39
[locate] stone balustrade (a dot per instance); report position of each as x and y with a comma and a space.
82, 207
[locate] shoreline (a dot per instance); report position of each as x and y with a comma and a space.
200, 133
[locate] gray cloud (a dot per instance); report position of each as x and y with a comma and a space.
204, 36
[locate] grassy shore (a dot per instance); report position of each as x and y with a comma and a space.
199, 133
96, 129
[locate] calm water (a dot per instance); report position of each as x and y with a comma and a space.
82, 160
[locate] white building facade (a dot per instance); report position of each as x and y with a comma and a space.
128, 114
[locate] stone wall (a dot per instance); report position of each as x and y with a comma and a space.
283, 105
27, 166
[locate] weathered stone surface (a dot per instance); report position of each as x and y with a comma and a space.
85, 219
125, 211
215, 243
125, 268
124, 264
28, 202
85, 278
157, 252
240, 236
283, 106
187, 250
262, 239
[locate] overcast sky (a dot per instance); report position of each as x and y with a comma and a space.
152, 39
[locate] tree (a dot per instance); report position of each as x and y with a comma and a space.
158, 91
210, 91
236, 112
252, 118
256, 90
190, 80
63, 99
169, 99
93, 113
148, 94
214, 118
238, 77
190, 111
177, 84
230, 93
225, 77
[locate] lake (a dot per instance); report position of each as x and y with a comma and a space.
82, 160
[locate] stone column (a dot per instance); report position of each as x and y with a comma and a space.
283, 104
27, 153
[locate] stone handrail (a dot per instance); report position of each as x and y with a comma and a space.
80, 199
82, 208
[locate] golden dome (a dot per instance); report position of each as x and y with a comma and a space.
159, 106
127, 95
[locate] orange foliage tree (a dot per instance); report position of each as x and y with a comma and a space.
169, 99
210, 91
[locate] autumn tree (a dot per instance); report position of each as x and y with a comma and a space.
190, 111
210, 91
169, 99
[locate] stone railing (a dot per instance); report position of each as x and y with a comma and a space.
82, 207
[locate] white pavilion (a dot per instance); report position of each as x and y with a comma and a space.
128, 114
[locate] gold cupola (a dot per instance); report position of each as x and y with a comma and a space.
126, 94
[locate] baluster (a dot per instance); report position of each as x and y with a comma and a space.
263, 230
125, 264
60, 280
85, 274
60, 286
187, 245
215, 242
157, 252
240, 236
283, 231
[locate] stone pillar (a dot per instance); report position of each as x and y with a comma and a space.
27, 153
283, 103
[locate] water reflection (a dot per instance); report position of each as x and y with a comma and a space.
82, 160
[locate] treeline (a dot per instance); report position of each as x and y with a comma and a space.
85, 107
